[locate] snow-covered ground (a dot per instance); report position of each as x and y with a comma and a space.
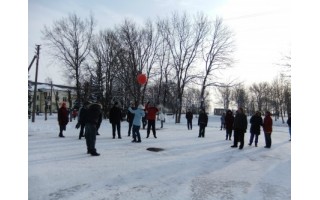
189, 168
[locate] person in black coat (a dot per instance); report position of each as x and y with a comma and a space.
289, 124
189, 117
130, 117
229, 118
202, 122
115, 118
81, 119
255, 121
240, 127
92, 120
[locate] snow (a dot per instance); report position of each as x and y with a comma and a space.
189, 168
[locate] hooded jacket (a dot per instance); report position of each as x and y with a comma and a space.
138, 114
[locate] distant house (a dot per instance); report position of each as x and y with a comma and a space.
219, 111
51, 96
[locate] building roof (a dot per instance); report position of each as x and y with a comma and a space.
47, 86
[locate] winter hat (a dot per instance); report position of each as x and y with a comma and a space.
141, 107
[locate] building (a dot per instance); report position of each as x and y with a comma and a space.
219, 111
51, 96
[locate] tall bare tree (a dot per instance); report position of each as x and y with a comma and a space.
148, 51
129, 42
240, 96
69, 39
258, 91
103, 54
217, 54
225, 95
184, 38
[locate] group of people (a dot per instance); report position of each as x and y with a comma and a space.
90, 118
202, 121
238, 124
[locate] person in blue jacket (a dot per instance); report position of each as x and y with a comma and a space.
138, 114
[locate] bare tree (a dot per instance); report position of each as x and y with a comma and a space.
129, 42
240, 96
148, 51
279, 94
163, 70
103, 55
217, 53
258, 93
225, 95
285, 64
184, 38
69, 39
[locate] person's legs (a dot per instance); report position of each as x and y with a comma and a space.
138, 134
91, 132
62, 127
204, 130
241, 139
134, 133
251, 138
113, 130
201, 130
148, 128
235, 138
81, 131
119, 129
130, 127
268, 140
153, 125
256, 139
290, 133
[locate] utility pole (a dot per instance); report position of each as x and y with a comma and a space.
32, 62
35, 85
51, 98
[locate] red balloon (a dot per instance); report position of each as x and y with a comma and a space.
142, 79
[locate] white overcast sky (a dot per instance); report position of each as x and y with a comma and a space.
262, 28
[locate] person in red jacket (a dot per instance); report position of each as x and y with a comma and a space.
151, 112
267, 128
63, 118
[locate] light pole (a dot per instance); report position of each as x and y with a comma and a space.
35, 86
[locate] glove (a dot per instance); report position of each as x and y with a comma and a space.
77, 125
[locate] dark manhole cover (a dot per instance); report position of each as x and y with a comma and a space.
155, 149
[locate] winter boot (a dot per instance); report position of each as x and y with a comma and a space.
95, 154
